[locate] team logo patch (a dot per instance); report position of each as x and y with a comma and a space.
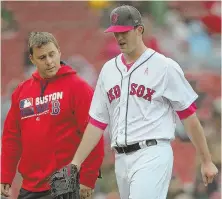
26, 103
114, 18
26, 107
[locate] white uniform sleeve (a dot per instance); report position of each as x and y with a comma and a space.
177, 89
98, 109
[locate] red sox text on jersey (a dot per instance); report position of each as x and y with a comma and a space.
135, 89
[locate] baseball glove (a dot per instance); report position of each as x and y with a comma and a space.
64, 183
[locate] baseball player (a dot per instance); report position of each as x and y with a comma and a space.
45, 124
138, 94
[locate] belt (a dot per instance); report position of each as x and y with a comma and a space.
134, 147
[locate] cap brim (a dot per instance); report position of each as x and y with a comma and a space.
119, 29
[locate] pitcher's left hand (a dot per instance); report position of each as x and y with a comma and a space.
208, 171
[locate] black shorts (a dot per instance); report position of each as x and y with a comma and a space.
24, 194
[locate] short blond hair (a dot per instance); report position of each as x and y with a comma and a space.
38, 39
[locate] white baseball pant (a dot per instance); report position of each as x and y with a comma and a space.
146, 173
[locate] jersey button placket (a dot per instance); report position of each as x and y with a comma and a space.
124, 103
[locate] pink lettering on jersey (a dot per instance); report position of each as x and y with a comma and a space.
117, 91
149, 93
114, 93
141, 91
135, 89
110, 95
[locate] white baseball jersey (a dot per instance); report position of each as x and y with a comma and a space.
140, 104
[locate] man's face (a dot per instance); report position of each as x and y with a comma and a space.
47, 60
128, 41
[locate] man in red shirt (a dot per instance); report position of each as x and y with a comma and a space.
45, 124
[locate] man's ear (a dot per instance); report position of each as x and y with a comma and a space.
142, 26
141, 29
59, 52
31, 59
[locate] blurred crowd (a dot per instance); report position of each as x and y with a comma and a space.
188, 32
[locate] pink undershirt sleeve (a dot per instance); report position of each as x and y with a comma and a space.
98, 124
187, 112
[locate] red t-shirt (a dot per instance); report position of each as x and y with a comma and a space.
44, 127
